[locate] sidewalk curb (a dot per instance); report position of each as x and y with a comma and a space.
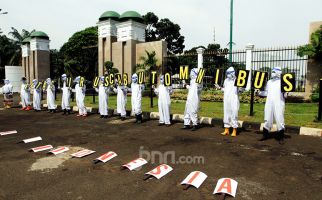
208, 121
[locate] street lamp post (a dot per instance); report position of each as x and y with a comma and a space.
231, 31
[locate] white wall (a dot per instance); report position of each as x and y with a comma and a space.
14, 74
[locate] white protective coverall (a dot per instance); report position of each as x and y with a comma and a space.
25, 94
80, 97
65, 103
7, 90
231, 100
275, 101
164, 101
103, 93
193, 99
36, 97
121, 98
136, 98
50, 95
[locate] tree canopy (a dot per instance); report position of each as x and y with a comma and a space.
164, 29
314, 49
80, 53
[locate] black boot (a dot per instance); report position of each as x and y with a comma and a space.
136, 118
186, 127
194, 128
102, 116
265, 135
105, 116
139, 118
64, 112
54, 111
68, 112
122, 118
49, 111
280, 135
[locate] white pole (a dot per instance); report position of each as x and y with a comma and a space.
249, 49
200, 57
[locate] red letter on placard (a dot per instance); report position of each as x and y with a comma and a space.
158, 169
226, 185
193, 177
106, 156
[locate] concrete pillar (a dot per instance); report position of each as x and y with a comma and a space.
249, 50
200, 57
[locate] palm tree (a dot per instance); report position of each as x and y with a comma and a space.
149, 62
19, 37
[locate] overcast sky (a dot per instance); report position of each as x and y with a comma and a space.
264, 23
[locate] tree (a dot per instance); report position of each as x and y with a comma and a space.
164, 29
19, 37
314, 49
8, 54
148, 64
109, 68
80, 53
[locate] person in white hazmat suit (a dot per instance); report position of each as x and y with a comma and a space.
50, 96
193, 100
36, 96
164, 102
136, 98
25, 95
7, 90
66, 90
103, 93
121, 91
274, 106
231, 102
80, 97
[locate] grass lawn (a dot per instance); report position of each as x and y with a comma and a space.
297, 114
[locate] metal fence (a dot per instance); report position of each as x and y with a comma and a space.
262, 60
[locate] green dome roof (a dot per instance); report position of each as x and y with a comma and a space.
39, 34
26, 40
109, 15
131, 15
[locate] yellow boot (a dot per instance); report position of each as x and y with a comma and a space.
226, 132
234, 134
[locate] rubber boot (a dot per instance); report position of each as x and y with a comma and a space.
102, 116
122, 118
64, 112
265, 135
234, 134
139, 118
226, 132
68, 112
280, 135
185, 127
194, 128
136, 118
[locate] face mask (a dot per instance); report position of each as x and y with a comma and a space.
6, 82
161, 80
134, 80
64, 78
230, 76
275, 75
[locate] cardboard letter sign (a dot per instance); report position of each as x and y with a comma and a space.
160, 171
8, 133
32, 140
134, 164
195, 179
59, 150
41, 148
82, 153
106, 157
226, 186
288, 82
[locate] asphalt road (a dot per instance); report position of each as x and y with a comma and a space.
264, 170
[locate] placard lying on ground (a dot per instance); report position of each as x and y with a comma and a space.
32, 139
195, 178
135, 164
41, 148
8, 132
59, 150
226, 186
82, 153
160, 171
106, 157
